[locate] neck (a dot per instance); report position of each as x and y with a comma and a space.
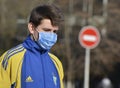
32, 37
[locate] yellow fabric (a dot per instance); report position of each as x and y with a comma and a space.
13, 72
9, 76
4, 77
18, 80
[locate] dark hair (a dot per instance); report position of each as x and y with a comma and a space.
46, 11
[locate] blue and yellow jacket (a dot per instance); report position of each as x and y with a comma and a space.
29, 66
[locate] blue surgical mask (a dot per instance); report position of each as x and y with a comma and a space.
46, 40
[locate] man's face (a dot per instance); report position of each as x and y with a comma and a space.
45, 26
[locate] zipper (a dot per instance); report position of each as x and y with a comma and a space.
43, 71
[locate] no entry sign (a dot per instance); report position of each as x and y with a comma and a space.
89, 37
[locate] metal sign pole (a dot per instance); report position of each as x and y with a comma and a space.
87, 68
89, 38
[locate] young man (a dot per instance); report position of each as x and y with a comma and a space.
30, 65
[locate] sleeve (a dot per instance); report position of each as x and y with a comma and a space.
59, 67
4, 75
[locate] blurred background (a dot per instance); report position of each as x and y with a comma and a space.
103, 14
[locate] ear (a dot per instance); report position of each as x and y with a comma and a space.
31, 28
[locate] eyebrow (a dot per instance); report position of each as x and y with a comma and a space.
47, 29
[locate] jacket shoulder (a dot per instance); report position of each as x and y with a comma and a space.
12, 55
55, 58
58, 65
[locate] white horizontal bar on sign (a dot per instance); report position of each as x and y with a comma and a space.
90, 38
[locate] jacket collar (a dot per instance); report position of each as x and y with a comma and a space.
32, 45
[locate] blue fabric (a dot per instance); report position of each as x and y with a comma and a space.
38, 69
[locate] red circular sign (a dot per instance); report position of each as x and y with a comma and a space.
89, 37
